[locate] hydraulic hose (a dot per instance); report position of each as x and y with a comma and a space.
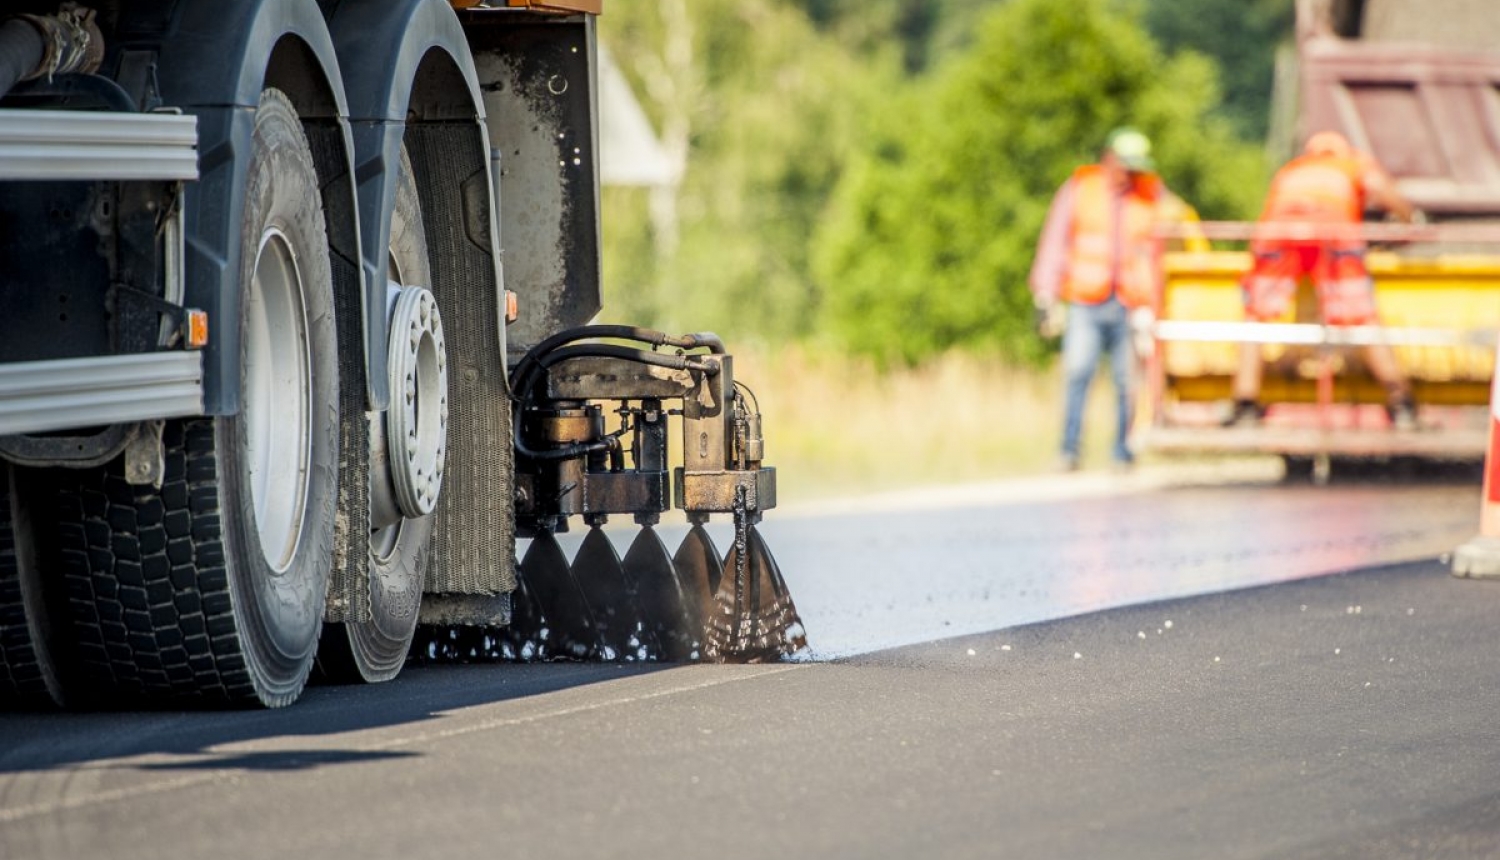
525, 378
21, 52
706, 340
35, 46
643, 356
527, 365
566, 452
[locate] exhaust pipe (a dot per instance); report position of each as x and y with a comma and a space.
35, 46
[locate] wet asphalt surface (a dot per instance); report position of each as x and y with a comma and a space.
1343, 716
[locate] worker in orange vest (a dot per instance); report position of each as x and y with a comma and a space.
1310, 230
1100, 256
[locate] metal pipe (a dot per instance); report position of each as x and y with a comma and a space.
1271, 230
1211, 331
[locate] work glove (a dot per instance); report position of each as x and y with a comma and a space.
1051, 319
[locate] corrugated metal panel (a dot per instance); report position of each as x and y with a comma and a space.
1430, 116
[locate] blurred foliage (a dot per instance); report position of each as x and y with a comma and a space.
770, 106
925, 30
1241, 36
932, 231
877, 170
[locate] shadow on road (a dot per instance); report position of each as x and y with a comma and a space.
33, 742
280, 760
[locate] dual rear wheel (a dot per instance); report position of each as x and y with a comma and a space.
407, 455
213, 586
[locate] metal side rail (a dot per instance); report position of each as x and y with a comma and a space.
1445, 444
1315, 334
92, 145
71, 393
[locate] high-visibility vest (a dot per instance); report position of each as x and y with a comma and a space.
1317, 189
1095, 267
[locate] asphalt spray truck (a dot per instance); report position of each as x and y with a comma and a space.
296, 355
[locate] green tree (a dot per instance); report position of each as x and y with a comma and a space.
932, 228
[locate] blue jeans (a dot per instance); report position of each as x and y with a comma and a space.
1093, 330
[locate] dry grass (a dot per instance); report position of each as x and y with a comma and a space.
833, 425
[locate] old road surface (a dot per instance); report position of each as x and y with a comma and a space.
1061, 669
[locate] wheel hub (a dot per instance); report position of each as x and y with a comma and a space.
416, 424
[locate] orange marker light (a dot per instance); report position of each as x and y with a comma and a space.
512, 306
197, 329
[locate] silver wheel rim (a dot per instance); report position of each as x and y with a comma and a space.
277, 409
385, 516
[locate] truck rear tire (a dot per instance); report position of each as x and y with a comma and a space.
28, 670
214, 585
375, 650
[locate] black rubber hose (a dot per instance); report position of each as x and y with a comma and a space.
706, 340
21, 52
525, 379
701, 340
628, 353
567, 452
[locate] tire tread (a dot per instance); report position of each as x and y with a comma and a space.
148, 587
22, 676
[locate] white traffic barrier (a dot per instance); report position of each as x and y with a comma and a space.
1480, 557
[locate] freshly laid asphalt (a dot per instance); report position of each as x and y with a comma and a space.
1354, 715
